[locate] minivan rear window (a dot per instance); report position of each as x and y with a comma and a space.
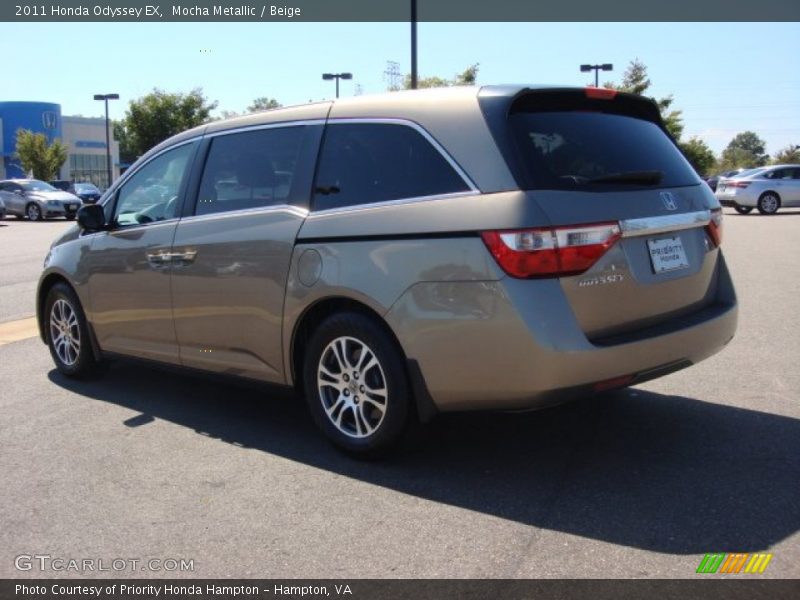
601, 151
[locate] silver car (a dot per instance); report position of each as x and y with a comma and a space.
37, 200
396, 256
767, 189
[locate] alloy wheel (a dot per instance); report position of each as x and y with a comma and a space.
352, 387
64, 332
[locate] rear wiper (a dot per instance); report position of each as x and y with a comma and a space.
633, 177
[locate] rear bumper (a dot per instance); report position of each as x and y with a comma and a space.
512, 345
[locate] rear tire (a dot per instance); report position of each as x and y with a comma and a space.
68, 333
743, 210
33, 212
769, 203
356, 386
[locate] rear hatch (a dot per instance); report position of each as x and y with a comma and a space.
632, 233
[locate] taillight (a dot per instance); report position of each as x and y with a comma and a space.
714, 227
528, 253
738, 184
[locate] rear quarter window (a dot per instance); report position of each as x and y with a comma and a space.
364, 163
565, 150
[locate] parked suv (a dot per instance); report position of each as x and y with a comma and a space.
399, 255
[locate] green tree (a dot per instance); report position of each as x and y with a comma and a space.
468, 76
636, 81
153, 118
746, 150
699, 155
263, 103
789, 154
39, 157
127, 154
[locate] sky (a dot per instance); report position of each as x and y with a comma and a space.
725, 77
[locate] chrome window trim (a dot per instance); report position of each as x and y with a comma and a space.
246, 128
275, 208
418, 128
664, 223
388, 203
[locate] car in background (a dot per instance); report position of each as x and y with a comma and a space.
767, 189
86, 191
61, 184
713, 181
37, 200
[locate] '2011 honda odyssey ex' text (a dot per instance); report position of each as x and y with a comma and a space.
502, 247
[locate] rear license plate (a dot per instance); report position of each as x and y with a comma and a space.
667, 254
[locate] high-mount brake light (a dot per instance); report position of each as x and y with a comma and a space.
598, 93
526, 253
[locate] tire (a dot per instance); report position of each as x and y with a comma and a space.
33, 212
743, 210
68, 333
363, 423
769, 203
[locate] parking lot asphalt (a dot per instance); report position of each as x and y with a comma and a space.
146, 464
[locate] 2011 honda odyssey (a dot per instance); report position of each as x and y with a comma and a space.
502, 247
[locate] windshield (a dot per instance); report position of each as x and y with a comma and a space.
597, 151
86, 187
37, 186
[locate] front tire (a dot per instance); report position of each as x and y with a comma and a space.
356, 385
68, 333
743, 210
33, 212
769, 203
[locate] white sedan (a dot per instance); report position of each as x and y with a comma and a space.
767, 189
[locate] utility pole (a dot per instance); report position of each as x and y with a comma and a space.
413, 44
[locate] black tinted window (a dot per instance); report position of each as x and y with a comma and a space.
371, 162
249, 170
566, 150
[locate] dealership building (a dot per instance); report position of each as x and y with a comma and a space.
84, 137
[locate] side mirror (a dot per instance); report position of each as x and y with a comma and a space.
91, 217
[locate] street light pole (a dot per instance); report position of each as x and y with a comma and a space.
105, 98
413, 44
597, 69
337, 77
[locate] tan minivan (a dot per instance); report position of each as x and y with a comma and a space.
502, 247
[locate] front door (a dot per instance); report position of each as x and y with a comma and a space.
234, 249
129, 265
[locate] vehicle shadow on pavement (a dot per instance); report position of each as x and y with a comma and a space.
663, 473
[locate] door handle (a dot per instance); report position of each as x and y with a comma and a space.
185, 257
165, 259
159, 259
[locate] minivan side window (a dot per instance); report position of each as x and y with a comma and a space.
151, 194
250, 169
362, 163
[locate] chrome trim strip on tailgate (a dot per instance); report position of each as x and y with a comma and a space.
652, 225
